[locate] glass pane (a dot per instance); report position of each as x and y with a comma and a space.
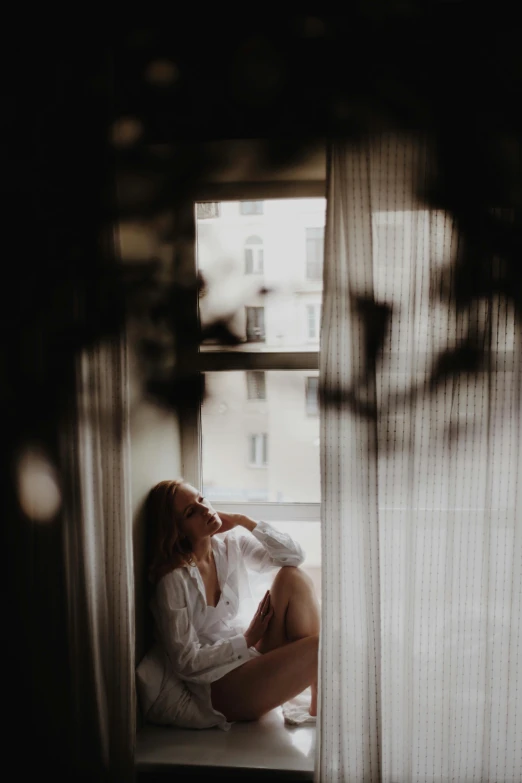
270, 259
263, 450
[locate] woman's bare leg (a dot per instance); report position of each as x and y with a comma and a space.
296, 609
290, 654
296, 615
264, 683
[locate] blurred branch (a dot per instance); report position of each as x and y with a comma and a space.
116, 131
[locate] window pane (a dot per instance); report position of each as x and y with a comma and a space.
284, 245
288, 444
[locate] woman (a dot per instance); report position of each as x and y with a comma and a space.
233, 673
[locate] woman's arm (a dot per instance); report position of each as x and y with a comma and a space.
267, 547
188, 657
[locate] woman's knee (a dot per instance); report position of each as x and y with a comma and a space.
293, 576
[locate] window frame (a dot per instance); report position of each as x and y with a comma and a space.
222, 361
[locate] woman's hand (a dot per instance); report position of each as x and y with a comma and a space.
229, 521
260, 621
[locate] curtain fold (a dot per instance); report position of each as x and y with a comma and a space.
99, 564
421, 468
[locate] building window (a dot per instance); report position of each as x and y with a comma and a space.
313, 321
314, 253
256, 385
312, 396
255, 324
251, 207
258, 450
207, 209
254, 256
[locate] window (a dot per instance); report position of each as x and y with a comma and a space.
252, 445
256, 385
313, 321
254, 256
207, 209
228, 419
251, 207
255, 324
312, 396
258, 446
314, 253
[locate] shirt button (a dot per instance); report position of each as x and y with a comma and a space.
239, 657
228, 603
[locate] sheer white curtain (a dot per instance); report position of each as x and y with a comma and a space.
421, 654
99, 564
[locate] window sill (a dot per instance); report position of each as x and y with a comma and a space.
265, 747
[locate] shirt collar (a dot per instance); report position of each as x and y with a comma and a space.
218, 547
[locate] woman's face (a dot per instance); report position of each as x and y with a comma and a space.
196, 517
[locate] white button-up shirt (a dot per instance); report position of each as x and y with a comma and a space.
200, 643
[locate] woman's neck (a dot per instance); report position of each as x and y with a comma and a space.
202, 552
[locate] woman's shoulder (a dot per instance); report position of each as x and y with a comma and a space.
227, 545
173, 583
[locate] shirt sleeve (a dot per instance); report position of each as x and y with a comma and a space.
190, 659
267, 548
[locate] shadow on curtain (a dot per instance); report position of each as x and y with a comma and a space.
421, 662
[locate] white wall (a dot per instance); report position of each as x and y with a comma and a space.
155, 456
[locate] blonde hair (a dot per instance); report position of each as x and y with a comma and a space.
167, 547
